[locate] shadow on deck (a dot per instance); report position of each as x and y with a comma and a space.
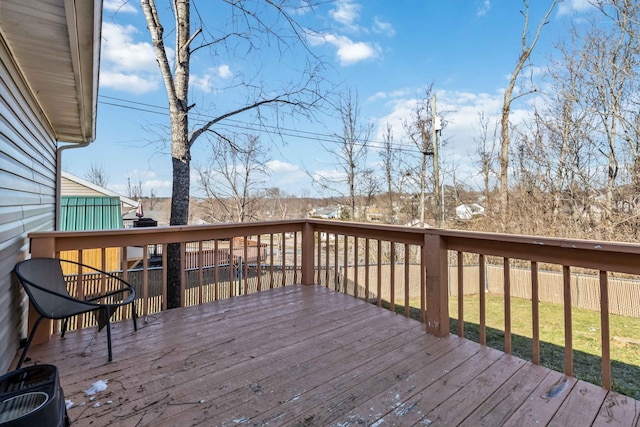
308, 356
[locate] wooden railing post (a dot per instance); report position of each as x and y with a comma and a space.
41, 248
434, 259
308, 230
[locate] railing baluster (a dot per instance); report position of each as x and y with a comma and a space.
80, 288
379, 284
200, 270
124, 268
392, 297
183, 274
366, 269
407, 312
507, 306
604, 326
423, 288
164, 276
535, 313
568, 328
483, 304
295, 257
318, 271
216, 270
336, 277
356, 282
259, 262
145, 280
460, 294
245, 265
326, 261
271, 261
346, 264
284, 260
232, 266
103, 264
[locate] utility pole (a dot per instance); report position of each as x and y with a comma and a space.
436, 127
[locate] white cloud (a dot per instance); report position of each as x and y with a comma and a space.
119, 6
346, 13
568, 7
484, 8
132, 83
398, 93
224, 72
349, 52
127, 65
278, 166
383, 27
287, 176
331, 175
376, 96
122, 52
156, 185
204, 82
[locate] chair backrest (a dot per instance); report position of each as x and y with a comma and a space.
43, 280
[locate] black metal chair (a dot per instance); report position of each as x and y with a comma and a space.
43, 280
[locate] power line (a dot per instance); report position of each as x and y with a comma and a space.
263, 128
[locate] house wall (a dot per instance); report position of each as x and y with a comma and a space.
27, 194
70, 188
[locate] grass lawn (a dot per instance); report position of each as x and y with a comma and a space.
587, 364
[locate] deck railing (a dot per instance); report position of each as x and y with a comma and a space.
406, 268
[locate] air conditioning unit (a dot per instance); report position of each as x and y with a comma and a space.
32, 397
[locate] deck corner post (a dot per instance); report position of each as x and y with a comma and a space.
308, 231
434, 260
41, 247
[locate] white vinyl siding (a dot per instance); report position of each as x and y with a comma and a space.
27, 194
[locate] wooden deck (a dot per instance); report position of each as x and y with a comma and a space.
308, 356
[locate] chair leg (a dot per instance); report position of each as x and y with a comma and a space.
64, 326
134, 314
108, 313
26, 347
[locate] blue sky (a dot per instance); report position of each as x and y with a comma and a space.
388, 51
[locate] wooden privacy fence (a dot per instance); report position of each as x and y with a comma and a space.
585, 289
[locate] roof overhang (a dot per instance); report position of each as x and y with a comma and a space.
56, 47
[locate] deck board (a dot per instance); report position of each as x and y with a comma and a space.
308, 356
506, 399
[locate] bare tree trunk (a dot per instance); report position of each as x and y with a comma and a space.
506, 106
487, 156
351, 152
388, 159
177, 87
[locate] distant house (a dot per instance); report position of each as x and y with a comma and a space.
469, 211
87, 206
331, 212
71, 185
374, 214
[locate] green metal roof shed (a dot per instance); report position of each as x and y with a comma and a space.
79, 213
